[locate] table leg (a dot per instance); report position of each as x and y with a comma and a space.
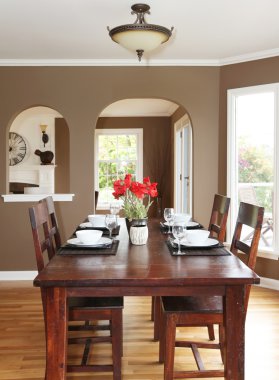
56, 333
235, 330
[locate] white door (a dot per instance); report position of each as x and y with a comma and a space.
183, 166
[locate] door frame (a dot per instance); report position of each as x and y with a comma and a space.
180, 125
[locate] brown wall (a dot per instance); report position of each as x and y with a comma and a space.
80, 94
62, 156
235, 76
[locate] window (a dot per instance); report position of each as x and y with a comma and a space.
117, 152
252, 159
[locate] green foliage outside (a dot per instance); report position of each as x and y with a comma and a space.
255, 165
117, 155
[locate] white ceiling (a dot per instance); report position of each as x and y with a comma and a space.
69, 32
74, 32
140, 107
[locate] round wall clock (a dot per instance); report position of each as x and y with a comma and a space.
17, 148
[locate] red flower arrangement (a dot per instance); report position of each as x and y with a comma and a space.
133, 193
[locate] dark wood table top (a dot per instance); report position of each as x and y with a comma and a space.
143, 266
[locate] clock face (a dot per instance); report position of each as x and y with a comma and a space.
17, 148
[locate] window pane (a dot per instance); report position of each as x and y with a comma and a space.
116, 156
255, 153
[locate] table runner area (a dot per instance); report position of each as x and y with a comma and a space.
68, 250
207, 251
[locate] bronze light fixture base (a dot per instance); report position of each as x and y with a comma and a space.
140, 36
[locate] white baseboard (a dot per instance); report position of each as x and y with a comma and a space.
30, 275
17, 275
269, 283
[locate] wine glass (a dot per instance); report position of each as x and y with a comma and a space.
178, 231
111, 223
114, 209
169, 215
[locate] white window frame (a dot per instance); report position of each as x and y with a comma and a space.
231, 161
179, 127
124, 131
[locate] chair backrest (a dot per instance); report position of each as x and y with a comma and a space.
96, 198
41, 231
219, 216
54, 231
251, 216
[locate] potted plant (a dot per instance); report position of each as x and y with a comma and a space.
137, 199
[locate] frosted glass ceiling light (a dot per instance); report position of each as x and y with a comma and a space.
140, 36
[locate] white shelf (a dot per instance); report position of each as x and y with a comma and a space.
36, 197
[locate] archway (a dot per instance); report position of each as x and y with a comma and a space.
38, 164
156, 118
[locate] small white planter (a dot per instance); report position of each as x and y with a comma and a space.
138, 235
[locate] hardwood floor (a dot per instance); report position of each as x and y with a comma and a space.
22, 338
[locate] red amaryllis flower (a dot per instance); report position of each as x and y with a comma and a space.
151, 187
153, 192
128, 180
132, 194
139, 189
119, 188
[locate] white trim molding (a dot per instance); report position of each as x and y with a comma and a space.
17, 275
145, 62
269, 283
36, 197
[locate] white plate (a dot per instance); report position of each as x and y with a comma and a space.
192, 224
86, 225
78, 243
189, 224
207, 243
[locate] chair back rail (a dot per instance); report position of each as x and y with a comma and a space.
252, 216
219, 216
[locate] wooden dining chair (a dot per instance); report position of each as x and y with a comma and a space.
200, 311
218, 218
81, 309
217, 228
96, 199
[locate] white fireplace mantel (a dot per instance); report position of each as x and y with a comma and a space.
40, 175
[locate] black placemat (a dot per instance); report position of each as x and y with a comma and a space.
69, 249
115, 231
164, 229
217, 250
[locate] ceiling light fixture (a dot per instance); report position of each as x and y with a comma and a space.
140, 36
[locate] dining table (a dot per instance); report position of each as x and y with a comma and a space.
151, 269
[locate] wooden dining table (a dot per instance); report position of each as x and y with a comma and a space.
144, 270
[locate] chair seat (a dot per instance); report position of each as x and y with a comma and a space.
96, 302
200, 304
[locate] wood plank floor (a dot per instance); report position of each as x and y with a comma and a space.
22, 338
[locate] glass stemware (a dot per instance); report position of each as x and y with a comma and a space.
111, 223
169, 216
114, 209
178, 231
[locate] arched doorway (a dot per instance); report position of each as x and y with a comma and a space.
156, 118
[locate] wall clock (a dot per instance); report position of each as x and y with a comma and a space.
17, 148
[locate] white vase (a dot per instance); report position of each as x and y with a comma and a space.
138, 235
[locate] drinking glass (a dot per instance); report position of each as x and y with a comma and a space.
178, 231
114, 209
169, 216
111, 223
